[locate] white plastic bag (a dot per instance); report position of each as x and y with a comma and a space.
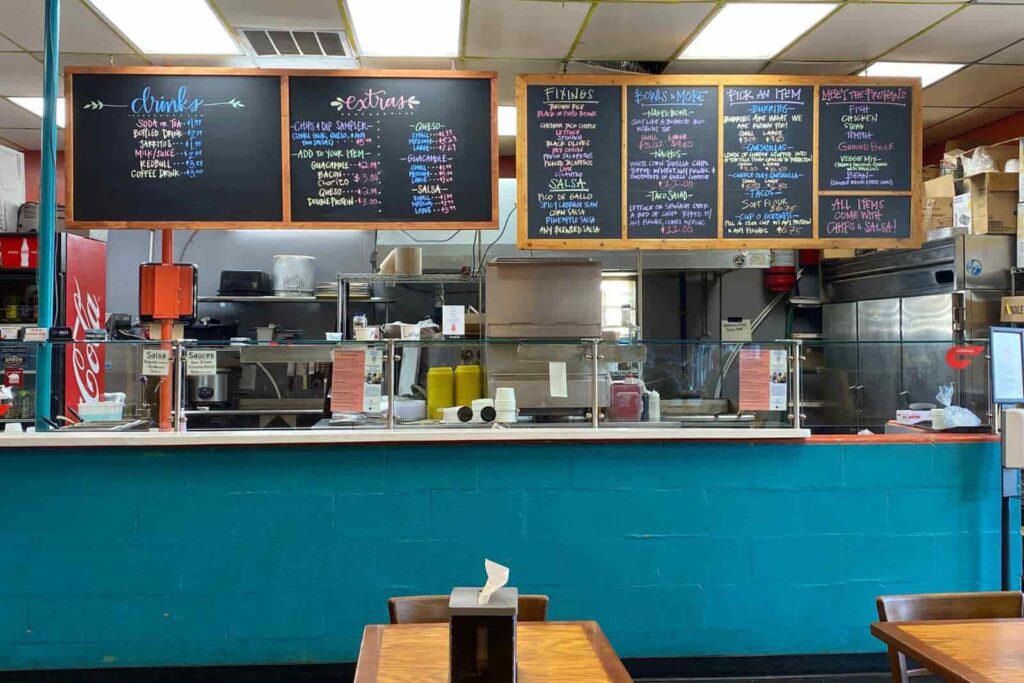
954, 416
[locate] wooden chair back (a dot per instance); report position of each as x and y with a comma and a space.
943, 607
433, 609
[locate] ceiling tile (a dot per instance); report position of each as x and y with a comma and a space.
1014, 99
27, 138
20, 75
80, 29
639, 31
974, 85
814, 68
294, 14
237, 61
714, 66
967, 121
521, 28
7, 46
79, 59
508, 69
430, 64
933, 115
862, 31
13, 116
966, 36
1013, 54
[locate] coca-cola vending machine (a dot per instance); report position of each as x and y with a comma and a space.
81, 305
83, 289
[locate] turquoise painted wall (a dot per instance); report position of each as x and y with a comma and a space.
281, 555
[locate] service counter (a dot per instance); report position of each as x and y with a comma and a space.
277, 547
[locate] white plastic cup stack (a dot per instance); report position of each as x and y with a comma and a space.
478, 405
505, 405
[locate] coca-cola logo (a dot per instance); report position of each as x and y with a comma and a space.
85, 358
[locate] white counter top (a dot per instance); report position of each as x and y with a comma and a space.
381, 436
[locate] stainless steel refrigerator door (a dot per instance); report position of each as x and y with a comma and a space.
879, 361
839, 325
927, 336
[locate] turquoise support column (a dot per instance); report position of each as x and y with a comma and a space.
46, 273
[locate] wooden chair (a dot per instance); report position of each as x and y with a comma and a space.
433, 609
941, 607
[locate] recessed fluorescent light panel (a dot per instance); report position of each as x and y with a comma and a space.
35, 105
406, 28
927, 72
755, 30
506, 120
169, 27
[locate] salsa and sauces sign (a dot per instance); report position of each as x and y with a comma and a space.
690, 162
221, 148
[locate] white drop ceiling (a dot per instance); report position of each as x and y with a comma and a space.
552, 36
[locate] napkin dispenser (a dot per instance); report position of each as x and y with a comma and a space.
482, 638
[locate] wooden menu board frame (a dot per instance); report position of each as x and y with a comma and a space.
283, 75
524, 241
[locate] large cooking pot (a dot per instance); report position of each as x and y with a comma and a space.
210, 389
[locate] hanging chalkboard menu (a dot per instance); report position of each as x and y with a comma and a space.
154, 149
391, 150
573, 150
865, 137
672, 162
871, 217
767, 162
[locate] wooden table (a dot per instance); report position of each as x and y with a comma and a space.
552, 651
963, 651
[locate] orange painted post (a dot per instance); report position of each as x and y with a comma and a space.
166, 330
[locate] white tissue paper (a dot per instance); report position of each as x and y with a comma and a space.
497, 576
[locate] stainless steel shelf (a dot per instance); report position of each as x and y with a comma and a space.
265, 300
427, 278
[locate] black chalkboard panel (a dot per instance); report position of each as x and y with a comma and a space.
768, 155
574, 162
672, 162
390, 150
864, 217
164, 148
864, 137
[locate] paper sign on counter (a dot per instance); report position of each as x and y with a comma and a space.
200, 363
558, 384
453, 321
156, 362
763, 379
357, 379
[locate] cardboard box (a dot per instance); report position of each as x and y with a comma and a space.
1012, 309
938, 203
839, 253
993, 202
962, 211
999, 154
912, 417
1020, 235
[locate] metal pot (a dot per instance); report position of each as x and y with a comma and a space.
294, 275
210, 389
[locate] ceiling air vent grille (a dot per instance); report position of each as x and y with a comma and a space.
275, 42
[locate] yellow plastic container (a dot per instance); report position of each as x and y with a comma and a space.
467, 384
440, 391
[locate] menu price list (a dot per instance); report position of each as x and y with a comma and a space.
672, 161
141, 140
865, 138
390, 149
864, 217
767, 162
574, 157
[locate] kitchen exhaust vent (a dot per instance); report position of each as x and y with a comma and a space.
284, 43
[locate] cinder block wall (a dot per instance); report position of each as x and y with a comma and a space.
196, 556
